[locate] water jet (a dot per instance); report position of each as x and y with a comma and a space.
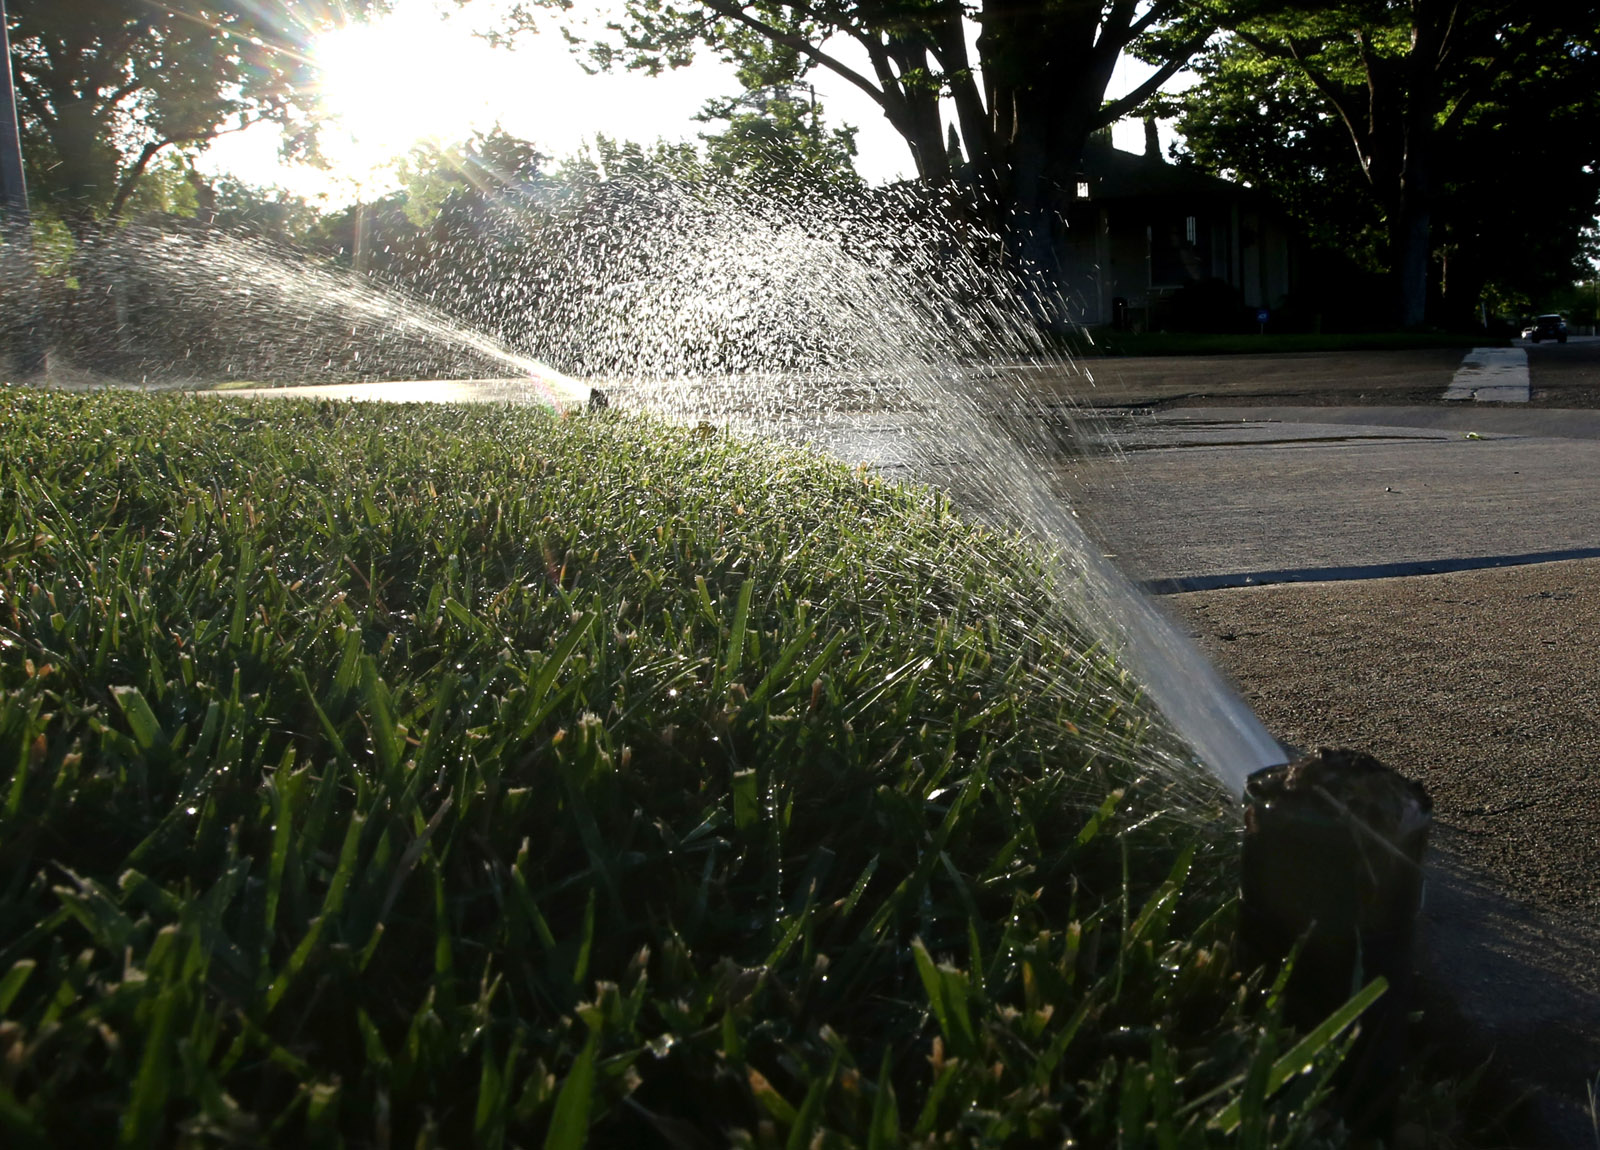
874, 329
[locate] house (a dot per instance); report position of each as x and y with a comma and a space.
1138, 230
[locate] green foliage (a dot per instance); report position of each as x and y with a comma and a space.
776, 143
625, 160
169, 186
53, 247
1580, 302
432, 174
106, 87
1027, 93
269, 213
1260, 121
1522, 224
410, 776
1451, 147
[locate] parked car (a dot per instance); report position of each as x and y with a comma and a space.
1546, 327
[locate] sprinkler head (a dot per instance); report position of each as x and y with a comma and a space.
598, 400
1332, 859
1331, 863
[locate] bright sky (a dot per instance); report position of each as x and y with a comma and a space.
421, 73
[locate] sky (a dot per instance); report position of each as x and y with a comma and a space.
421, 73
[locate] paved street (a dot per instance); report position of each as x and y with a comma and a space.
1562, 375
1232, 496
1267, 482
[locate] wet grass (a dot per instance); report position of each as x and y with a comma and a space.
383, 776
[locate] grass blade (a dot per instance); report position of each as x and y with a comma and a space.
1303, 1053
15, 978
569, 1125
147, 732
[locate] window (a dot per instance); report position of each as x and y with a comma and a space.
1083, 189
1179, 254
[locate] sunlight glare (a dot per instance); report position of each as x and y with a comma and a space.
419, 74
412, 76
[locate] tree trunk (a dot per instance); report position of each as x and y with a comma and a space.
1041, 168
1045, 75
1409, 228
83, 176
1409, 240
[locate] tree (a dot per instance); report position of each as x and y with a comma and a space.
605, 159
775, 140
1260, 122
1520, 187
1401, 84
271, 214
105, 87
1024, 107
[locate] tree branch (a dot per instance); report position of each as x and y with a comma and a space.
1120, 17
1323, 84
131, 177
122, 93
1501, 55
739, 14
1117, 109
1153, 16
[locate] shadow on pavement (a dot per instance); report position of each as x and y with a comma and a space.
1504, 985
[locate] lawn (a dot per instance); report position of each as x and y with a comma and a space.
413, 776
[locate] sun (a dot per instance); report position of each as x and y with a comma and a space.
411, 76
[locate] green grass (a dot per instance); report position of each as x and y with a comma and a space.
404, 776
1106, 342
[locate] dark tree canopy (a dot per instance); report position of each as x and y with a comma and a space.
1390, 129
105, 87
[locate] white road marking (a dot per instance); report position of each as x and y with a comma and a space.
1491, 374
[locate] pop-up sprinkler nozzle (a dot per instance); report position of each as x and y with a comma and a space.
1332, 861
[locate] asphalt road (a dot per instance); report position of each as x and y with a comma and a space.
1566, 375
1563, 376
1232, 496
1316, 467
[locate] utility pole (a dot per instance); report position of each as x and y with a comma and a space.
18, 277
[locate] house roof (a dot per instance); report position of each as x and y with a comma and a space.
1113, 174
